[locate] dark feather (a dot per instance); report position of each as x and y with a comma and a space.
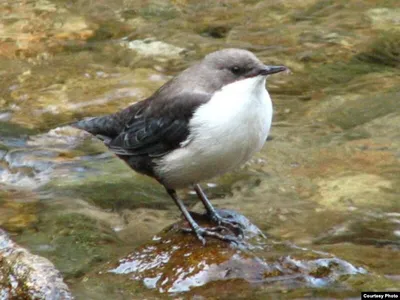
147, 129
160, 128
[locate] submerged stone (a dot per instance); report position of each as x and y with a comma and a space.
384, 18
27, 276
176, 262
153, 48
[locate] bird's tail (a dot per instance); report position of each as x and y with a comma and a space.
107, 126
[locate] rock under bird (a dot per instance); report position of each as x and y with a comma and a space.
204, 122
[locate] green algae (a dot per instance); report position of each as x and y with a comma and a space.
92, 242
341, 73
119, 194
114, 186
381, 56
89, 147
10, 129
4, 147
158, 10
384, 50
321, 8
364, 109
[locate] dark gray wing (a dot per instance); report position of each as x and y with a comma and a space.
152, 137
157, 128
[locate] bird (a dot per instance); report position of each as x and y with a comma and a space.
204, 122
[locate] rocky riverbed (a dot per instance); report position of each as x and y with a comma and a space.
325, 189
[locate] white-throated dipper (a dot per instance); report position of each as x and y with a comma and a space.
204, 122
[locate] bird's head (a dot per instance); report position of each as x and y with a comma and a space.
232, 65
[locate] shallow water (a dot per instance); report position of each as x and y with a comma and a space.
327, 180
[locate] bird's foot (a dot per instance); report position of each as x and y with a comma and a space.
218, 228
235, 227
214, 232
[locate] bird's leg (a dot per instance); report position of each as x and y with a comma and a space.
213, 214
199, 231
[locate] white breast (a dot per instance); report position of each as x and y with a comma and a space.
225, 133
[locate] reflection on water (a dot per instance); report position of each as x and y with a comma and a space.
328, 180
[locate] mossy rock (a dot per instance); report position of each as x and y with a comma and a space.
110, 183
58, 231
350, 111
10, 129
363, 110
385, 51
175, 262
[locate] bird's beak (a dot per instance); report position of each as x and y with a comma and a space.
268, 70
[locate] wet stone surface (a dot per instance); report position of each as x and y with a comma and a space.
176, 262
27, 276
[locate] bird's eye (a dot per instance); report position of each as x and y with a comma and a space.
236, 70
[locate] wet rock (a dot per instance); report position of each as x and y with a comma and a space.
386, 126
18, 211
373, 229
353, 110
27, 276
91, 238
27, 168
5, 116
99, 170
384, 18
177, 262
75, 93
25, 35
29, 163
156, 49
383, 50
13, 130
65, 137
356, 190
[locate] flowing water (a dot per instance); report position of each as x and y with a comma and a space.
327, 180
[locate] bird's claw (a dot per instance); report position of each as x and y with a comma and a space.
201, 233
218, 228
237, 227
